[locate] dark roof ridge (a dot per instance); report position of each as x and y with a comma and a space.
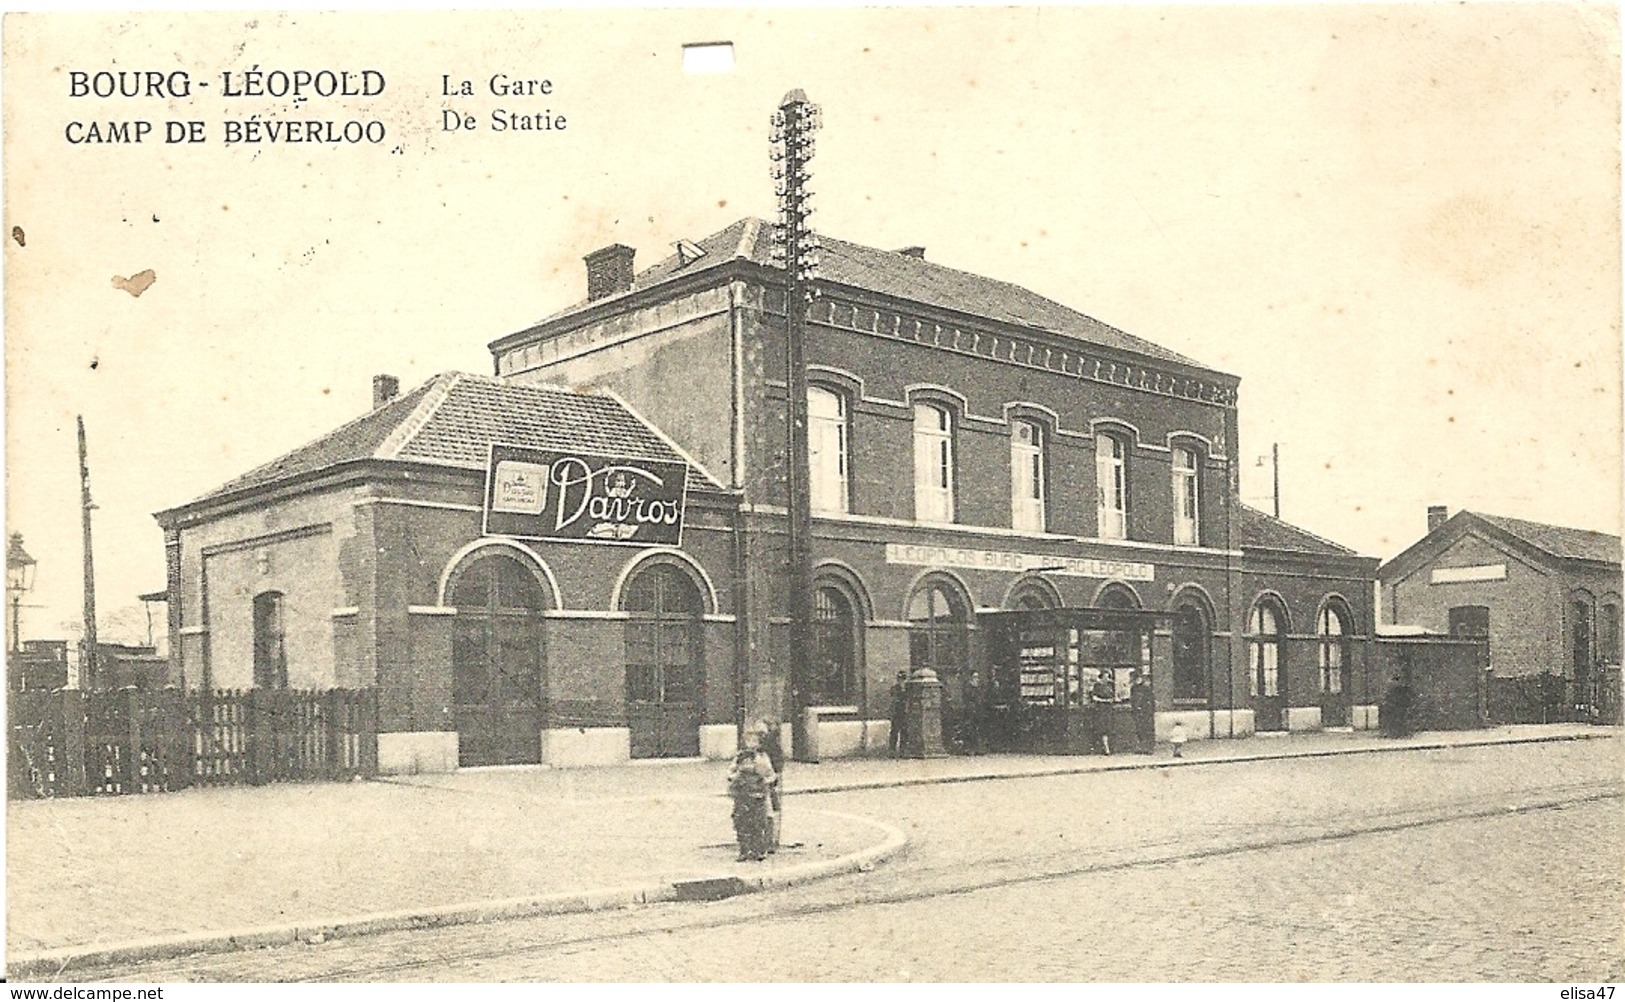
888, 273
393, 403
1540, 540
1339, 547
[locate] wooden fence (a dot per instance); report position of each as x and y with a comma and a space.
67, 743
1548, 698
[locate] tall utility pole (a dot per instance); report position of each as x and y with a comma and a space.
796, 247
1275, 468
88, 675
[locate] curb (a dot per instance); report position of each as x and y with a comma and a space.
1172, 763
49, 964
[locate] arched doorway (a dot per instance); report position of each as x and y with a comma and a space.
1580, 620
1192, 653
834, 648
939, 639
664, 667
1265, 677
496, 662
1336, 697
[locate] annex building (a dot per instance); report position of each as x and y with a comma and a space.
582, 557
1546, 596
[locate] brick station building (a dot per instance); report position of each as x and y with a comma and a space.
1004, 490
1546, 596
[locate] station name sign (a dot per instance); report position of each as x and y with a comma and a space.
584, 498
1004, 560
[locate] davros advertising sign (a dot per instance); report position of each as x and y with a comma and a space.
580, 497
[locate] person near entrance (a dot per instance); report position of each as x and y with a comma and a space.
749, 780
1102, 695
899, 716
772, 744
1394, 716
1145, 713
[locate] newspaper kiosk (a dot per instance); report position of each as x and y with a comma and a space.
1061, 677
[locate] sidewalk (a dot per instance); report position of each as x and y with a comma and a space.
226, 868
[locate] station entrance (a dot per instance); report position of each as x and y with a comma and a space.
1061, 678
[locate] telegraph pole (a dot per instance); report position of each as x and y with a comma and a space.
88, 675
1275, 468
796, 247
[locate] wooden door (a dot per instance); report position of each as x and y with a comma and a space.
1266, 672
497, 660
664, 671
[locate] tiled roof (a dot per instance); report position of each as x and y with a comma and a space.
1265, 532
1569, 544
354, 440
906, 277
453, 419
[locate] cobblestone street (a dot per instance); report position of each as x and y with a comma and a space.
1468, 864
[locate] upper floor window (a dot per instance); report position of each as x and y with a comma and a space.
933, 463
1187, 499
1026, 476
827, 456
1111, 480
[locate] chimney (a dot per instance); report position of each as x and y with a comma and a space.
384, 389
918, 252
609, 270
1437, 515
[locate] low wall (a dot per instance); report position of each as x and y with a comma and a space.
568, 747
407, 753
1446, 677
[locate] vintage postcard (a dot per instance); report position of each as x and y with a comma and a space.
1113, 494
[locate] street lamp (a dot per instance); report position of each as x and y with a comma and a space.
19, 580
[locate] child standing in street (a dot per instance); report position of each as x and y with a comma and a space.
1177, 738
750, 780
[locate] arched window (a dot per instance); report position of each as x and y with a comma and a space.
938, 634
1117, 596
1111, 483
1608, 633
834, 654
1033, 593
933, 463
1334, 649
1192, 646
939, 639
1264, 649
1027, 488
663, 663
496, 661
1581, 619
827, 456
1187, 496
270, 659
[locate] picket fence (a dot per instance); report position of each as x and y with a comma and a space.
66, 743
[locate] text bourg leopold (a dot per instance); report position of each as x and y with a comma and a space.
298, 85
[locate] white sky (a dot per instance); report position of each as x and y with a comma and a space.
1398, 225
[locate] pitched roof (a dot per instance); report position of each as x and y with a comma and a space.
903, 276
452, 419
1561, 542
1265, 532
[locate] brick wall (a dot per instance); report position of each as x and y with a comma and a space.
671, 362
881, 424
1526, 608
291, 547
